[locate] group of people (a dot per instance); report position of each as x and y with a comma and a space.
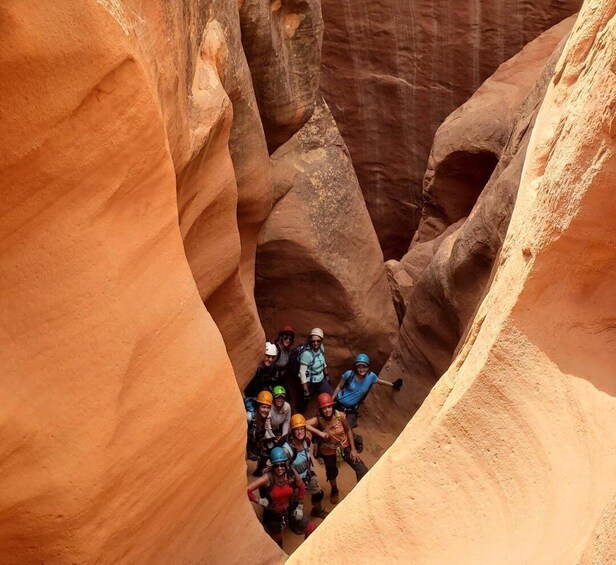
282, 440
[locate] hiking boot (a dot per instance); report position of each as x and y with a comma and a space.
319, 513
359, 443
334, 497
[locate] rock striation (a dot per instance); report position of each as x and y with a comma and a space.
392, 72
111, 113
282, 41
447, 269
512, 458
319, 262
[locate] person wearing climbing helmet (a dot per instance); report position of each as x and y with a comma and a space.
284, 343
298, 448
354, 386
265, 375
261, 437
283, 367
339, 437
283, 499
312, 367
280, 414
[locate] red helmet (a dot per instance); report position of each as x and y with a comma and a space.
287, 329
324, 400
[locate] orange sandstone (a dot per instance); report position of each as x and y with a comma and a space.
512, 458
107, 450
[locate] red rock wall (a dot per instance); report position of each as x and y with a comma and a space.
282, 41
392, 72
447, 286
319, 261
114, 375
512, 458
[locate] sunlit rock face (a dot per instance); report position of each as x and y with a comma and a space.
114, 374
319, 262
512, 458
392, 72
439, 283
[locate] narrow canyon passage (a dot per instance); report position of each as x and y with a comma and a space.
429, 183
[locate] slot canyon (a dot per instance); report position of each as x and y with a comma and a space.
430, 182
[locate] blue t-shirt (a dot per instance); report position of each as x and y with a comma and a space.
316, 364
352, 392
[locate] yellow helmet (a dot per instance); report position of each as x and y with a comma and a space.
297, 421
265, 397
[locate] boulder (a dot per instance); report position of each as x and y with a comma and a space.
318, 261
512, 458
393, 71
107, 448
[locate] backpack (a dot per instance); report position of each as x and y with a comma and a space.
249, 405
293, 366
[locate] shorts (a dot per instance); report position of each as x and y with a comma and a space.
313, 486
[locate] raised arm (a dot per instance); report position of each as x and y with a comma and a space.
397, 384
310, 426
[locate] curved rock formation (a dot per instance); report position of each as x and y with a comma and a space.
512, 458
282, 40
106, 450
392, 72
319, 261
445, 289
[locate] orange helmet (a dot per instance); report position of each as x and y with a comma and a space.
324, 400
287, 329
265, 397
297, 421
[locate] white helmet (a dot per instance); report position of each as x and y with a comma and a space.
318, 332
271, 349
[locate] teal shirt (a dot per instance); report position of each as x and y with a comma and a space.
315, 362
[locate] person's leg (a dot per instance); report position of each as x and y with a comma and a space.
352, 419
324, 386
273, 526
331, 472
303, 400
358, 466
316, 492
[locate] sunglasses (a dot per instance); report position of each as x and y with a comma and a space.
315, 341
287, 336
279, 465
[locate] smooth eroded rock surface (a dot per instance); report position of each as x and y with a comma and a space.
392, 72
282, 40
445, 290
113, 373
512, 458
319, 261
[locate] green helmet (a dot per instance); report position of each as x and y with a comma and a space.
279, 391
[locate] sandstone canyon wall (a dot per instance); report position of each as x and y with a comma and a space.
512, 458
113, 373
447, 269
393, 70
319, 262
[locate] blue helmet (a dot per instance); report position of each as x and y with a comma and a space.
278, 455
362, 358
